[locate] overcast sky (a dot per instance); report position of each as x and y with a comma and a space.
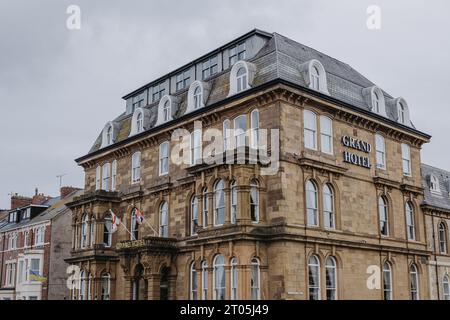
58, 87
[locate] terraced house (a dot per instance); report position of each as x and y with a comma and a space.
343, 208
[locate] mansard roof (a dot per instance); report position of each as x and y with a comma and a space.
277, 60
441, 199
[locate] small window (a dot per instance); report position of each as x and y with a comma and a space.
411, 229
446, 287
139, 123
137, 102
326, 135
387, 281
209, 67
219, 277
311, 203
236, 53
136, 167
414, 282
164, 158
234, 201
331, 278
219, 203
194, 215
98, 173
198, 98
315, 78
163, 220
380, 152
183, 80
158, 92
205, 280
401, 113
310, 130
383, 216
406, 159
254, 201
166, 111
241, 79
314, 278
240, 131
193, 283
255, 280
434, 184
328, 207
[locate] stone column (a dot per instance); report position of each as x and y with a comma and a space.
153, 286
128, 284
243, 194
211, 208
172, 280
227, 192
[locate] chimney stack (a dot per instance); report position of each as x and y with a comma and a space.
65, 191
18, 201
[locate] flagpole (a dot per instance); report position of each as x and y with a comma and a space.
151, 227
132, 236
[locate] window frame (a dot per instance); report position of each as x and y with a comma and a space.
223, 287
380, 151
406, 159
193, 282
410, 221
414, 281
328, 191
255, 289
164, 219
388, 292
329, 288
217, 207
136, 168
314, 291
309, 130
164, 158
254, 204
315, 209
194, 215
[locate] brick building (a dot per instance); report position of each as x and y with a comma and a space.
34, 241
333, 197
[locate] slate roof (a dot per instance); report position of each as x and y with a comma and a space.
441, 199
279, 58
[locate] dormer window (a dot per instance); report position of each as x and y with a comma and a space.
183, 79
139, 123
108, 135
197, 95
374, 98
158, 92
402, 111
237, 53
138, 102
434, 184
209, 67
166, 109
241, 77
314, 75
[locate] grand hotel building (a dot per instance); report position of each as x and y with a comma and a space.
351, 213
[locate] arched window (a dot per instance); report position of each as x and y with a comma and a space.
310, 129
380, 151
136, 167
234, 201
219, 203
240, 131
387, 281
106, 176
205, 280
105, 286
107, 231
328, 207
401, 113
414, 282
163, 220
193, 283
89, 287
315, 80
406, 159
234, 279
442, 238
194, 215
197, 98
314, 278
98, 173
92, 230
383, 216
114, 176
254, 201
164, 158
166, 111
219, 277
331, 278
205, 207
226, 135
326, 135
434, 184
376, 102
411, 230
139, 123
241, 79
196, 147
82, 291
254, 124
446, 287
255, 280
311, 203
134, 225
84, 231
109, 135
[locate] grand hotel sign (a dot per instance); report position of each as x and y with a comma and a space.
353, 158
